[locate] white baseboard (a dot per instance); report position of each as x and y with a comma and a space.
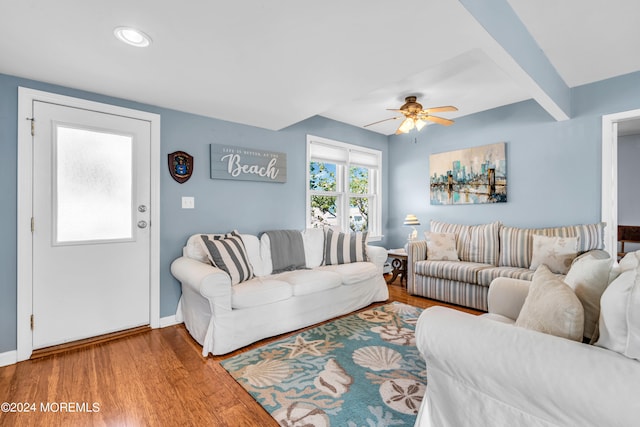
169, 321
9, 358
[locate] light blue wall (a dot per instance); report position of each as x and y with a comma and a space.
553, 168
221, 205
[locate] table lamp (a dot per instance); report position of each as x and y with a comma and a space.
411, 220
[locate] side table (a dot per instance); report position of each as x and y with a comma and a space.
399, 264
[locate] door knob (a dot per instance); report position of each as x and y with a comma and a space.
142, 224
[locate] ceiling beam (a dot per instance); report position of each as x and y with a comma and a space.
519, 55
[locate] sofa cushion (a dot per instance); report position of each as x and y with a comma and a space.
552, 307
620, 310
486, 276
516, 244
441, 246
589, 277
460, 271
259, 291
305, 282
344, 248
352, 273
313, 240
557, 253
227, 252
475, 243
254, 254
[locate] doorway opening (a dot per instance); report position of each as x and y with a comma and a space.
613, 125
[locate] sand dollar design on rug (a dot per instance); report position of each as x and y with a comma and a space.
403, 395
301, 415
359, 370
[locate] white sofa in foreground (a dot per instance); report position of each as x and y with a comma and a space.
223, 317
485, 371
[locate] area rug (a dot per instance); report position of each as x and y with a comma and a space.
360, 370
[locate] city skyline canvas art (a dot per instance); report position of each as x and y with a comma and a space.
469, 176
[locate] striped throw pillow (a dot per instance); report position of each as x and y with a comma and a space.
475, 243
516, 244
344, 248
227, 252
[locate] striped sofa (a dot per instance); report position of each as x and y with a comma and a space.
486, 251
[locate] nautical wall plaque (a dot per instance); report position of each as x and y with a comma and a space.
247, 164
180, 166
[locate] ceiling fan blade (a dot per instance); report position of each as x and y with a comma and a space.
441, 109
439, 120
380, 121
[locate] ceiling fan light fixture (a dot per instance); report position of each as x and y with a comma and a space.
132, 36
406, 126
420, 124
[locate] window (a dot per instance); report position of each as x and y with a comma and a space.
344, 186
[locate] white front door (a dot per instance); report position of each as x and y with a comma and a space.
91, 220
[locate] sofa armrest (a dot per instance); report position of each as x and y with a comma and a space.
596, 253
506, 296
507, 375
205, 279
416, 251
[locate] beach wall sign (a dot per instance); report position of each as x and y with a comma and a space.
247, 164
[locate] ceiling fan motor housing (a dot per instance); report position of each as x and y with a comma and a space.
411, 106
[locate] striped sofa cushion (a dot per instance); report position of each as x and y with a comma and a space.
227, 252
517, 243
461, 271
344, 248
475, 243
486, 276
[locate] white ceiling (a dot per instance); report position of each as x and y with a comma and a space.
273, 64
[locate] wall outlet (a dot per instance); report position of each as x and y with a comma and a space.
188, 202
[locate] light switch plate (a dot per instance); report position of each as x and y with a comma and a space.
188, 203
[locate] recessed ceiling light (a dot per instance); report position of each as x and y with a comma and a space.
132, 36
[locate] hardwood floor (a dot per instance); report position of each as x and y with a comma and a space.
153, 378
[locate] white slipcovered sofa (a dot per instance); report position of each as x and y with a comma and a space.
488, 371
223, 317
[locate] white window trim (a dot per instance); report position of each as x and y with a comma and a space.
375, 219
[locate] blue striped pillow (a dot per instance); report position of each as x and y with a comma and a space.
344, 248
227, 252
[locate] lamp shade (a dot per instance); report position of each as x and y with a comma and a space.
411, 220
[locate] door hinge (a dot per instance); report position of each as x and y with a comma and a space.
32, 322
33, 127
33, 224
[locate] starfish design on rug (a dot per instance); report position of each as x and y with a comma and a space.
302, 346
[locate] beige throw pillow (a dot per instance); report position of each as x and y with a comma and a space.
589, 277
557, 253
620, 310
441, 246
552, 307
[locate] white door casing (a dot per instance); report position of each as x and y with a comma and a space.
609, 190
34, 288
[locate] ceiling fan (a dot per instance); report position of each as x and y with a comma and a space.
414, 115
